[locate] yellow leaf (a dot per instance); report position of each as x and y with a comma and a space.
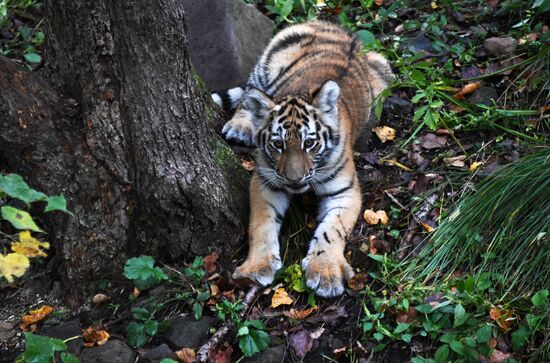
93, 336
280, 297
299, 314
29, 246
186, 355
474, 166
383, 217
434, 5
34, 316
427, 227
371, 217
13, 264
384, 133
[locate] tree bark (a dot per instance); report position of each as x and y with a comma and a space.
143, 170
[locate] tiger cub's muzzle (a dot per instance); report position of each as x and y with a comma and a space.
295, 166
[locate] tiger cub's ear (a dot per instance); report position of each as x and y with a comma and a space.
258, 104
326, 97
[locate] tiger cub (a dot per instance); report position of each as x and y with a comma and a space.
302, 109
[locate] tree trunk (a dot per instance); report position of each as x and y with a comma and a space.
143, 170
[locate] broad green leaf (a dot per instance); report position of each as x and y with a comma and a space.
378, 336
56, 202
258, 324
40, 348
484, 333
14, 186
540, 298
203, 296
366, 37
19, 218
460, 315
457, 346
520, 337
243, 330
197, 310
151, 327
33, 58
406, 338
69, 358
140, 313
168, 360
136, 335
142, 271
441, 354
447, 338
424, 308
401, 327
255, 342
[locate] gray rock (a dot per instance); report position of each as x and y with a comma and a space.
67, 330
395, 104
226, 37
186, 332
114, 351
420, 44
270, 355
499, 46
484, 95
157, 354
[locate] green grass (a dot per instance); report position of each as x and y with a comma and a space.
500, 232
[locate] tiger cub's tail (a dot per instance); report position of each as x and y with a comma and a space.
228, 99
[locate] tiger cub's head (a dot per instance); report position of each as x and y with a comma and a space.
294, 135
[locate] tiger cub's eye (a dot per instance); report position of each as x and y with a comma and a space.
278, 144
309, 143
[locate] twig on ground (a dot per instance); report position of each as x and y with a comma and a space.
215, 340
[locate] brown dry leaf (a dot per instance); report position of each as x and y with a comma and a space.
221, 355
466, 90
299, 314
248, 165
358, 281
371, 217
214, 290
136, 292
280, 297
499, 357
93, 336
210, 262
186, 355
492, 343
407, 317
379, 2
35, 316
432, 141
456, 161
384, 133
383, 217
372, 245
503, 317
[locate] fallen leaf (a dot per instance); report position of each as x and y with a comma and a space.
358, 281
384, 133
221, 355
248, 165
280, 297
35, 316
99, 298
210, 262
456, 161
466, 90
371, 217
427, 227
29, 246
392, 162
13, 264
474, 166
301, 342
214, 290
407, 317
383, 217
186, 355
299, 314
93, 336
136, 292
379, 2
332, 315
492, 343
503, 317
434, 5
372, 245
317, 333
499, 357
432, 141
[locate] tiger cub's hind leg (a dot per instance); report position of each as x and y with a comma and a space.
267, 208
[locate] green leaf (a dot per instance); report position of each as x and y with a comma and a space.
441, 354
460, 315
140, 313
258, 324
33, 58
520, 337
458, 347
142, 271
255, 342
151, 327
243, 330
406, 338
378, 336
40, 348
484, 333
401, 327
203, 296
19, 218
197, 310
168, 360
56, 202
366, 37
447, 338
14, 186
69, 358
367, 326
424, 308
136, 335
469, 284
540, 298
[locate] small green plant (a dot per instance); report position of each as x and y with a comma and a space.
143, 272
43, 349
139, 333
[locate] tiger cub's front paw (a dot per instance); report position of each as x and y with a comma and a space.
259, 269
238, 131
325, 273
